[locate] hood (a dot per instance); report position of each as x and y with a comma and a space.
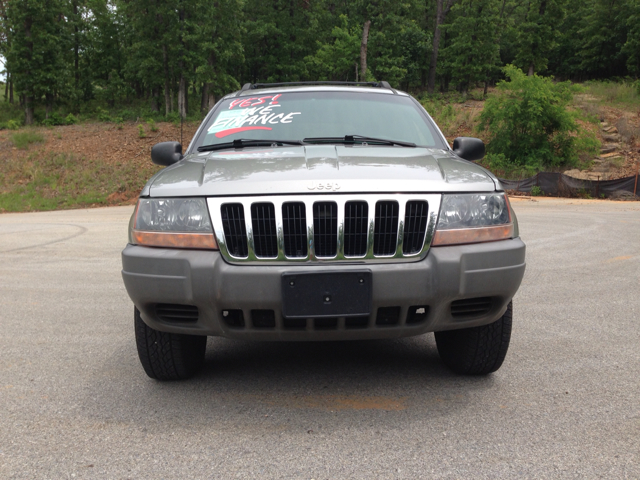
319, 169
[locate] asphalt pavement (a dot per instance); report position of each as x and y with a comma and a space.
75, 402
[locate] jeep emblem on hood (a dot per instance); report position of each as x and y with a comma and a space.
324, 186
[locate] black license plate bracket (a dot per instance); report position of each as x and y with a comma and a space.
326, 294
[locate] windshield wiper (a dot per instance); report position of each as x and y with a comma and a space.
247, 142
358, 139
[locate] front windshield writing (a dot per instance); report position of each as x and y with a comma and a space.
295, 116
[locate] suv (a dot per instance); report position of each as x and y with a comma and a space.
321, 211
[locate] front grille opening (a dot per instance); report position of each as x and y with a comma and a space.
176, 313
235, 230
415, 226
388, 316
471, 307
294, 223
325, 323
417, 314
325, 229
233, 318
356, 225
294, 323
356, 322
263, 319
385, 235
263, 221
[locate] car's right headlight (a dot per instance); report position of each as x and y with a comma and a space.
473, 218
173, 223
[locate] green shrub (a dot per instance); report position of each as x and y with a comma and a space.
529, 123
13, 124
152, 125
536, 191
70, 119
26, 138
141, 133
173, 117
103, 115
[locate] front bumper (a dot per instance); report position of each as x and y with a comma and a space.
203, 279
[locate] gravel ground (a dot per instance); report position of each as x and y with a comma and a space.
75, 403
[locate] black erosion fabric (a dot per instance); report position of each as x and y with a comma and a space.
558, 184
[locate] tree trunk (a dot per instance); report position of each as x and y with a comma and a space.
204, 97
530, 72
441, 13
76, 46
182, 107
6, 88
28, 99
363, 51
154, 100
168, 101
49, 105
28, 110
11, 92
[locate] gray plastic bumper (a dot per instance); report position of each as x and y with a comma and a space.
203, 279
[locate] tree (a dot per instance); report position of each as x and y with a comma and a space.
441, 13
537, 34
473, 52
36, 53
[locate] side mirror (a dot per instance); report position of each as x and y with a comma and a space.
469, 148
166, 153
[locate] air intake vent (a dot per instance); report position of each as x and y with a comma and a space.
263, 220
471, 307
385, 234
294, 223
176, 313
356, 224
325, 229
235, 231
415, 226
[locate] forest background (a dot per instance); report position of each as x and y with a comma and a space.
97, 82
178, 56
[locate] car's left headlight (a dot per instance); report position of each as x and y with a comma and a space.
173, 223
474, 218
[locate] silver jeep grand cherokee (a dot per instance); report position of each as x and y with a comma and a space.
321, 212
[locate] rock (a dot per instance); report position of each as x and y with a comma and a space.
611, 138
611, 129
609, 148
623, 195
604, 125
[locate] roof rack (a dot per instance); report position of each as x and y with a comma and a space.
252, 86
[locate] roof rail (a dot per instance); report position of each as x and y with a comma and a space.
381, 84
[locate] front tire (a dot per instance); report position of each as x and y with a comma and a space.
477, 350
168, 356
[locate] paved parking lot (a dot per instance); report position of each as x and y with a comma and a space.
75, 403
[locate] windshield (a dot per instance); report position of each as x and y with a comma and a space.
300, 115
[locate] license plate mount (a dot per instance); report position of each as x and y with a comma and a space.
326, 294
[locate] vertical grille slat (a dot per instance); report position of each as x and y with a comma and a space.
294, 223
235, 230
263, 221
415, 226
325, 229
385, 234
356, 225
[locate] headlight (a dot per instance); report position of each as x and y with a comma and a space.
473, 218
173, 222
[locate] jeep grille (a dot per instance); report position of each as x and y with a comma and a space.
325, 228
